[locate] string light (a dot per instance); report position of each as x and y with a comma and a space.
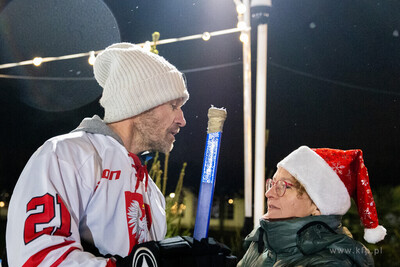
172, 195
241, 27
230, 201
92, 58
37, 61
206, 36
241, 10
2, 204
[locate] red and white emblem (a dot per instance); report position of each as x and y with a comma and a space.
138, 218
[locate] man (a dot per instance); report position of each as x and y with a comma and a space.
87, 193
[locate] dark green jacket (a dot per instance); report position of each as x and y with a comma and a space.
308, 241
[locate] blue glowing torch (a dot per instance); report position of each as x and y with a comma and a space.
216, 119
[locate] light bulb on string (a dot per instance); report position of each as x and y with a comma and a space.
37, 61
92, 58
241, 8
206, 36
147, 46
244, 37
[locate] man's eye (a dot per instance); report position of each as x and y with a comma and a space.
174, 106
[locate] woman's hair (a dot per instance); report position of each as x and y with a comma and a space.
300, 188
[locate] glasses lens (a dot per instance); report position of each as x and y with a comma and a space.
268, 184
280, 188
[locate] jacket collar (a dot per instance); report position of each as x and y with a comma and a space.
97, 126
282, 236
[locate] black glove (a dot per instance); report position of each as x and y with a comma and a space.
179, 252
148, 252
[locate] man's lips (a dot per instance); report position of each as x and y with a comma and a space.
172, 136
175, 132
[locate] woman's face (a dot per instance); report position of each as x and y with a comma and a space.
291, 204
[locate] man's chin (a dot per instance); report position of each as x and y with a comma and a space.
166, 149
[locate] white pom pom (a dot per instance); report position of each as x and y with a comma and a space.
374, 235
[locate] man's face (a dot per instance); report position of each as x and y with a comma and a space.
157, 127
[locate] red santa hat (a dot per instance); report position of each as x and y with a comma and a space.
331, 177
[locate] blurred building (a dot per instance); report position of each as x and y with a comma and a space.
226, 213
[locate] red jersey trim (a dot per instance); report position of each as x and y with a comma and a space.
37, 258
111, 263
63, 256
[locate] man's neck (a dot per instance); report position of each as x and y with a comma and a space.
125, 130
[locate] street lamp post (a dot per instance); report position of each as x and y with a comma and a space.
260, 14
243, 10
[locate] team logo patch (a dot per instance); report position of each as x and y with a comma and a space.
143, 257
138, 218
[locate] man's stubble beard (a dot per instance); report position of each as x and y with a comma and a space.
150, 139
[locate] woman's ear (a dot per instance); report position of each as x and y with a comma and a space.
316, 211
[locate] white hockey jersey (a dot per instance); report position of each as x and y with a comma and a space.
82, 188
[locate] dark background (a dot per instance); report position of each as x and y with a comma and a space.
333, 78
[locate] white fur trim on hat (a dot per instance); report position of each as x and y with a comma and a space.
322, 184
374, 235
135, 81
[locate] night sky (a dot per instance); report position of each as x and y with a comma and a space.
333, 78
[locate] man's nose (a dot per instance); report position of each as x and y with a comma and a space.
180, 119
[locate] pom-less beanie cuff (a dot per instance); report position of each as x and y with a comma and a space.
135, 80
130, 101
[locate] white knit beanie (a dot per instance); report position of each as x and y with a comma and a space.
135, 81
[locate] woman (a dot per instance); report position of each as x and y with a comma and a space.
307, 197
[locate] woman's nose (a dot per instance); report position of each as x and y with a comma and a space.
271, 193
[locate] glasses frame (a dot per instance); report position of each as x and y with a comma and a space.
269, 183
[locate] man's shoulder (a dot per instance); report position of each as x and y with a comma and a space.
69, 141
76, 144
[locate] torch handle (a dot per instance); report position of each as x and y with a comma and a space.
215, 124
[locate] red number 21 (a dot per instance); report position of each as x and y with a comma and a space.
46, 217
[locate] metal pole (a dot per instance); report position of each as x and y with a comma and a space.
261, 107
247, 115
260, 13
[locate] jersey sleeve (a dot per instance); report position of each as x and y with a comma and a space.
45, 210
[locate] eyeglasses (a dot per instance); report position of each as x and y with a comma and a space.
280, 186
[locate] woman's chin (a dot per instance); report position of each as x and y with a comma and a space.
269, 216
